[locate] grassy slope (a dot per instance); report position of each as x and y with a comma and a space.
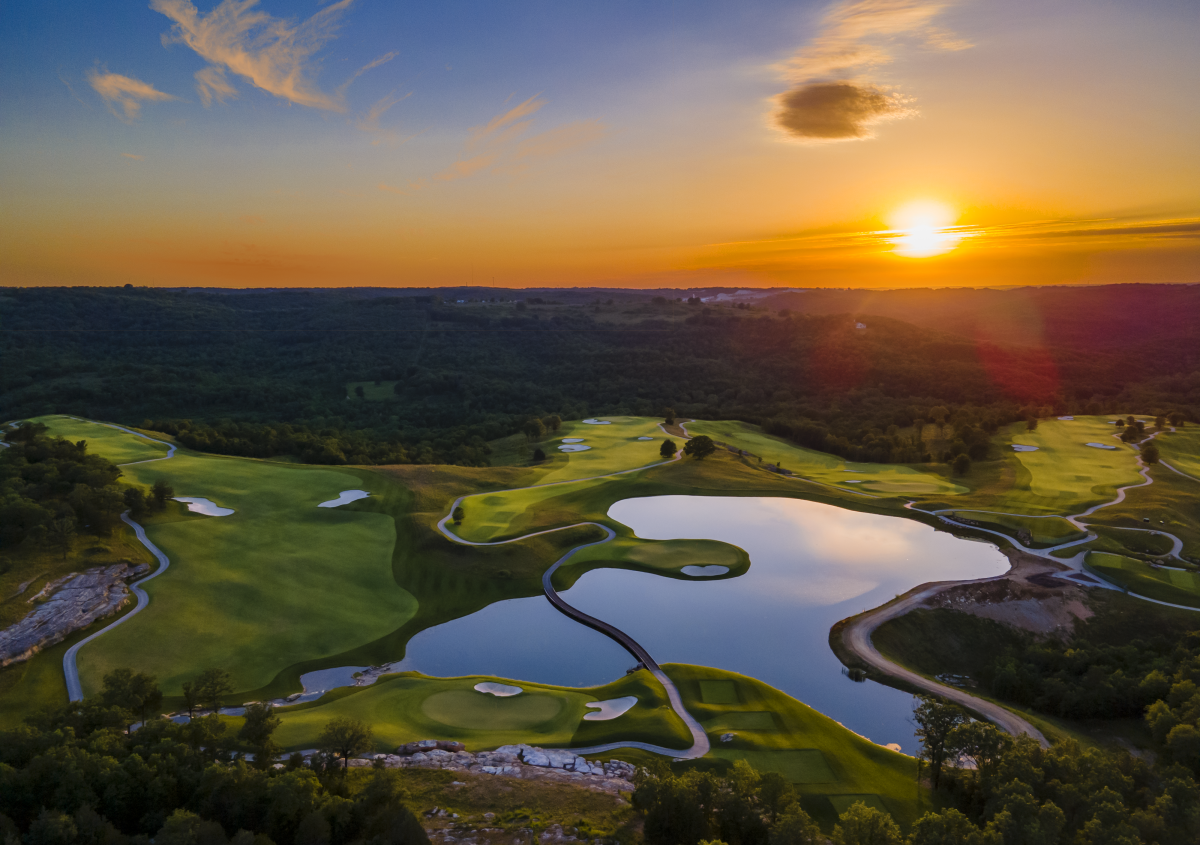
114, 444
877, 479
406, 707
1046, 531
1172, 504
1181, 448
1169, 585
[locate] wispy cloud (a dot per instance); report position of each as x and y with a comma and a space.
487, 134
132, 156
211, 84
370, 121
829, 99
124, 91
272, 53
371, 65
560, 139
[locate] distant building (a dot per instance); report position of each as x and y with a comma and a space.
860, 325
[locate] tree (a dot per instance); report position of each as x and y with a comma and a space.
344, 737
1031, 423
1120, 423
669, 416
935, 721
981, 743
699, 447
863, 825
61, 534
1149, 452
256, 732
359, 392
135, 500
535, 429
796, 827
136, 692
191, 697
668, 449
161, 491
939, 414
552, 422
1176, 418
962, 464
949, 827
458, 514
1160, 422
212, 686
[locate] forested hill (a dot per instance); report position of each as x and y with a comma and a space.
470, 372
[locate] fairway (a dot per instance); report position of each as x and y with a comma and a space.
405, 707
118, 446
876, 479
1181, 449
797, 765
614, 447
277, 582
1170, 585
1065, 474
1046, 531
752, 720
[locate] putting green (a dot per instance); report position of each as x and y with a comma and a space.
797, 765
1169, 585
460, 708
878, 479
118, 446
278, 582
842, 803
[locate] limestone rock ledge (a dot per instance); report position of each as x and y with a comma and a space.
74, 602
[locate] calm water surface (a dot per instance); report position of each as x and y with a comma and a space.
811, 565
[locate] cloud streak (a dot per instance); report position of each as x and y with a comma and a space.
126, 92
271, 53
371, 65
830, 100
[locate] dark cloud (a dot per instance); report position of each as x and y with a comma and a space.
835, 111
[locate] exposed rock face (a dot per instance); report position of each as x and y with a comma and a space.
75, 601
518, 761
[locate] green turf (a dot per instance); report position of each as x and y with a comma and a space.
1181, 449
371, 390
1067, 474
615, 447
719, 692
746, 720
1171, 503
877, 479
797, 765
842, 803
111, 443
1144, 580
406, 707
278, 582
1045, 531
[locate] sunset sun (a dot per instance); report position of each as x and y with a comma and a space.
921, 229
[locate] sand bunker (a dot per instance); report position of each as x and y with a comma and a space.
572, 440
1017, 447
610, 709
345, 498
704, 571
1101, 446
853, 481
204, 506
574, 447
596, 422
645, 438
500, 690
1066, 418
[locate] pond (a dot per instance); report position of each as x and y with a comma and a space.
811, 565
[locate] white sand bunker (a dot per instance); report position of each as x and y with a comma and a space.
645, 438
345, 498
572, 440
1017, 447
1101, 446
610, 709
498, 690
853, 481
574, 447
596, 422
204, 506
1066, 418
704, 571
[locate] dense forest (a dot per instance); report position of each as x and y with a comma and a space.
267, 372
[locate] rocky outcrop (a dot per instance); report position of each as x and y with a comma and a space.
71, 603
518, 761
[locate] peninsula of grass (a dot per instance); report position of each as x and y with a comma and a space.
407, 706
1174, 586
659, 557
118, 446
876, 479
277, 582
776, 733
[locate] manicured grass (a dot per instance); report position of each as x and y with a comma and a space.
1172, 504
406, 707
278, 582
371, 390
1167, 585
876, 479
615, 447
1046, 531
1181, 449
111, 443
661, 557
842, 803
1065, 474
822, 758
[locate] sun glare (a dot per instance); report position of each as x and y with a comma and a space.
920, 229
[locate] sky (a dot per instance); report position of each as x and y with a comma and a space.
758, 143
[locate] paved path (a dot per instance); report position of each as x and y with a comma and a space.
700, 743
74, 688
